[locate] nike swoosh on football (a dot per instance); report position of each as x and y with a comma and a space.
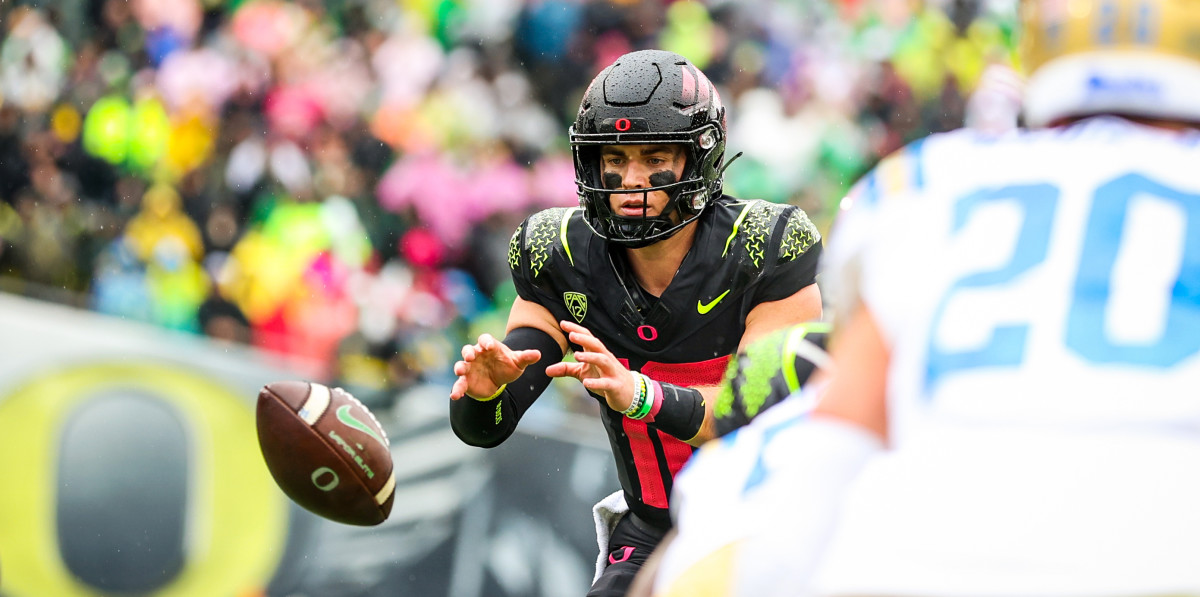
343, 415
703, 308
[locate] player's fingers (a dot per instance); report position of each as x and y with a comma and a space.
486, 342
588, 342
565, 370
570, 326
468, 352
460, 368
526, 358
603, 362
595, 359
600, 384
570, 369
459, 389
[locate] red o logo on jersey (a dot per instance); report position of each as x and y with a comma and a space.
647, 333
622, 124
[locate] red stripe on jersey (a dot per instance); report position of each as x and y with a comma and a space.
645, 461
654, 491
701, 373
677, 451
653, 487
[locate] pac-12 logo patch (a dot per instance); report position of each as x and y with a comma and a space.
577, 304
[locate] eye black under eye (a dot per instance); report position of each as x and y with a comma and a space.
662, 178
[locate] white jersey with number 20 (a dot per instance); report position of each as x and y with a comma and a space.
1040, 295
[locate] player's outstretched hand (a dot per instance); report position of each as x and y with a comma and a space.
487, 365
596, 367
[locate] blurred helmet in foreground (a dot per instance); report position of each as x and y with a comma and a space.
1129, 57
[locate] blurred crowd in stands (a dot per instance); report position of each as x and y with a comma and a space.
336, 180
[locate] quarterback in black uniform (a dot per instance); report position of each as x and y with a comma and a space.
653, 282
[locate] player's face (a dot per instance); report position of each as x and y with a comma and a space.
640, 167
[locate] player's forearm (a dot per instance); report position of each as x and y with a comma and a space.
488, 422
678, 411
484, 423
708, 427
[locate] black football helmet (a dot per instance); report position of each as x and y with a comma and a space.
644, 97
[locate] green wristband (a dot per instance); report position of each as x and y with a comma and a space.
639, 396
647, 394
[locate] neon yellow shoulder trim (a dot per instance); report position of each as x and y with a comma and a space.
736, 224
562, 232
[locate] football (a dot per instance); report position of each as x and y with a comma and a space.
326, 451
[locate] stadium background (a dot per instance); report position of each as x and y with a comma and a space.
233, 192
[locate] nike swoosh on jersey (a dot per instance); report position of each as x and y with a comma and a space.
703, 308
343, 415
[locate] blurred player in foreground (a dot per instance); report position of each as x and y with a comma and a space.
1025, 343
714, 505
653, 282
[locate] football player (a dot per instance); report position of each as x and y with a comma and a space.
653, 282
769, 390
1025, 339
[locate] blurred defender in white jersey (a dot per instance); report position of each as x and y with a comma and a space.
1027, 341
1023, 337
769, 389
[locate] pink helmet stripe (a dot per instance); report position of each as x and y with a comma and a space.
689, 86
705, 88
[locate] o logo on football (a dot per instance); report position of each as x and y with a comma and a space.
328, 486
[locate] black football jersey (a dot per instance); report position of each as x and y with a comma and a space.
745, 253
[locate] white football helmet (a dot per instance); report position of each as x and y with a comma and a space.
1130, 57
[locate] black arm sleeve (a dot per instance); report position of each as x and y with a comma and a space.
488, 423
681, 413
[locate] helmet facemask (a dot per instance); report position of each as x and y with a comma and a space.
687, 195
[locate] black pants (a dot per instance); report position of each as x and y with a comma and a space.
631, 543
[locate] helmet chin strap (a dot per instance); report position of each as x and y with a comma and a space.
653, 228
